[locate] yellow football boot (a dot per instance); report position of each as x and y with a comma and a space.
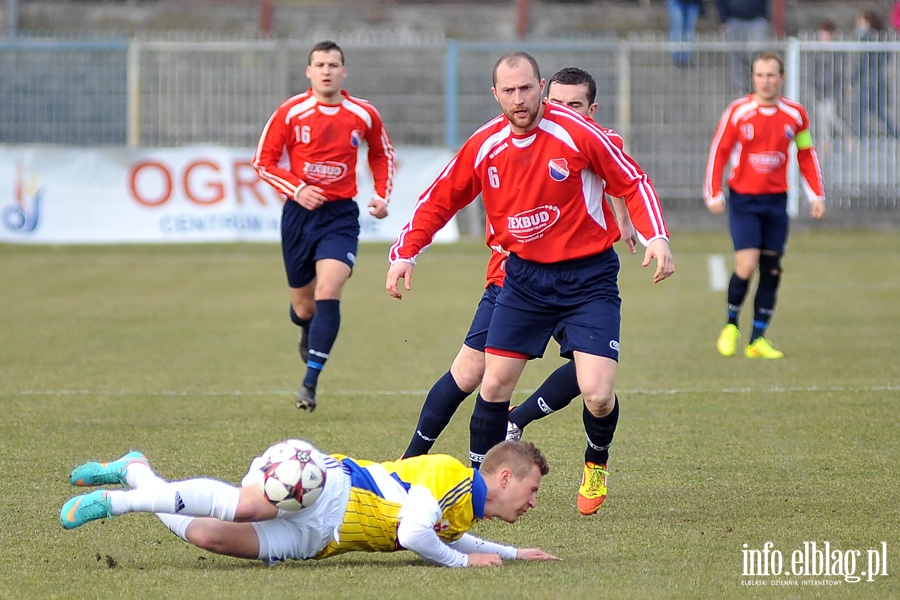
727, 344
593, 488
762, 348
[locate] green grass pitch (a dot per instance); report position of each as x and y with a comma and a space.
187, 353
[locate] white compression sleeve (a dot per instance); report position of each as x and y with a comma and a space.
424, 541
192, 497
469, 544
139, 474
177, 524
418, 516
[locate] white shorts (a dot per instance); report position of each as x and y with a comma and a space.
302, 534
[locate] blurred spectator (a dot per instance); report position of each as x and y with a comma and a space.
895, 15
743, 21
683, 16
870, 78
828, 80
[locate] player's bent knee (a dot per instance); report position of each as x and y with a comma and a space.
220, 537
769, 271
771, 263
600, 405
204, 534
468, 381
303, 311
468, 369
494, 391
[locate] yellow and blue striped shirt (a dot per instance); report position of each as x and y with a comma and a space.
378, 492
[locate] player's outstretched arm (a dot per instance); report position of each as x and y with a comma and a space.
665, 264
478, 547
400, 269
534, 554
484, 560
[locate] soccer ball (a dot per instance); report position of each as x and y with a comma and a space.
293, 475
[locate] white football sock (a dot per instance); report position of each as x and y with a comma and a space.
138, 473
177, 524
193, 497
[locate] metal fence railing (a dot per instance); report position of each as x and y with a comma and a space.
63, 92
432, 91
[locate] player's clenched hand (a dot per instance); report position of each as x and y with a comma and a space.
817, 209
484, 560
399, 270
379, 208
665, 264
533, 554
716, 205
310, 197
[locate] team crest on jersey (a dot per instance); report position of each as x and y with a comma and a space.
443, 525
355, 138
559, 169
324, 172
789, 132
766, 162
532, 224
747, 131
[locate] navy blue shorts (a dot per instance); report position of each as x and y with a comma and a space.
308, 236
478, 330
758, 221
575, 301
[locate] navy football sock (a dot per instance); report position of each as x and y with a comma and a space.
487, 428
557, 392
600, 432
441, 403
323, 332
737, 292
766, 294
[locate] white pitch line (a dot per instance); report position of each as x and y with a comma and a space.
422, 393
718, 275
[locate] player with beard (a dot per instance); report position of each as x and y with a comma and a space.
537, 167
575, 88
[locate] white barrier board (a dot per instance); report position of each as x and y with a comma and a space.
70, 195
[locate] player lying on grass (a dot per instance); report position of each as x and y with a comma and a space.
425, 504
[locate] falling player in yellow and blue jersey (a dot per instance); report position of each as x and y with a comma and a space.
425, 504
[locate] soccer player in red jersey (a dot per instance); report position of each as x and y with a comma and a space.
575, 88
320, 132
538, 167
754, 138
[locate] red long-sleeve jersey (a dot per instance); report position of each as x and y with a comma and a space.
496, 268
542, 190
754, 140
321, 144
